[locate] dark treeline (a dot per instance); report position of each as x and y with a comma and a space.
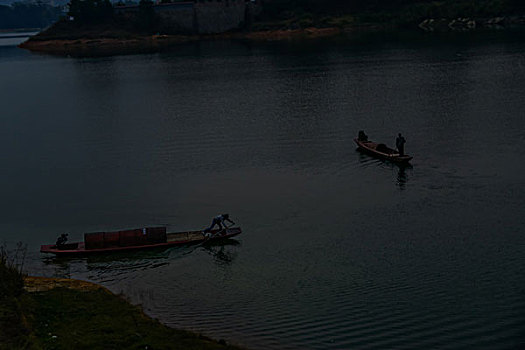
409, 10
96, 18
28, 15
276, 14
90, 11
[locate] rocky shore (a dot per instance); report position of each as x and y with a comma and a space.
104, 46
113, 41
107, 46
34, 284
468, 24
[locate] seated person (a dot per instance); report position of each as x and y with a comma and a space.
61, 240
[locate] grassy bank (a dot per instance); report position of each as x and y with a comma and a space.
15, 331
64, 318
69, 314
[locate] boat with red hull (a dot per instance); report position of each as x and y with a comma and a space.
380, 150
133, 240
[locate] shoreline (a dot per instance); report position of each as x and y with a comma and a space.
106, 46
70, 311
92, 45
33, 284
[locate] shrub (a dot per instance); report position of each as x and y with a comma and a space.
11, 275
14, 332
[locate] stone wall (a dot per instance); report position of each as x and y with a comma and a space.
253, 9
218, 16
176, 18
196, 17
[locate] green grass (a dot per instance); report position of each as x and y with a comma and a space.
70, 319
15, 332
64, 318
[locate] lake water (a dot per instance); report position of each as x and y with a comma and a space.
339, 250
14, 38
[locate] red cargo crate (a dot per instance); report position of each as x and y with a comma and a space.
156, 235
131, 238
111, 239
94, 240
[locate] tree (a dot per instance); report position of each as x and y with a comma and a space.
90, 11
146, 16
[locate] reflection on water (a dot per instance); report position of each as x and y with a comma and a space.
221, 252
401, 168
119, 263
402, 177
15, 38
60, 268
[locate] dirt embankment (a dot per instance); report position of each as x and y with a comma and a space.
105, 46
44, 284
307, 33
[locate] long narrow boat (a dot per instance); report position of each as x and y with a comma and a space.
132, 240
380, 150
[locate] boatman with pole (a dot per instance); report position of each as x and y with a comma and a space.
400, 144
219, 221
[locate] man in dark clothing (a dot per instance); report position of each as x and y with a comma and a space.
61, 240
361, 136
400, 144
219, 221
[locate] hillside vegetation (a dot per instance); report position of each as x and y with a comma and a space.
390, 12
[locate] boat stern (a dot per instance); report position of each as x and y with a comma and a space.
48, 248
63, 249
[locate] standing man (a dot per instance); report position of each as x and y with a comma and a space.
400, 144
219, 221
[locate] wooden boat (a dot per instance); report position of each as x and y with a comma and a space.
137, 239
380, 150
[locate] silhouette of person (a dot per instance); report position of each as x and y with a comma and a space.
400, 144
361, 136
219, 221
61, 240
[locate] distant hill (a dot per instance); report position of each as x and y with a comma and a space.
29, 15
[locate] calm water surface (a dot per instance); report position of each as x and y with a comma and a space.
339, 250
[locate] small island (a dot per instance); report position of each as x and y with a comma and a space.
98, 27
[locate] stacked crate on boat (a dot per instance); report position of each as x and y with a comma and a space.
111, 239
126, 238
130, 238
94, 240
156, 235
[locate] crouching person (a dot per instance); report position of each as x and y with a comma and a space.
219, 221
